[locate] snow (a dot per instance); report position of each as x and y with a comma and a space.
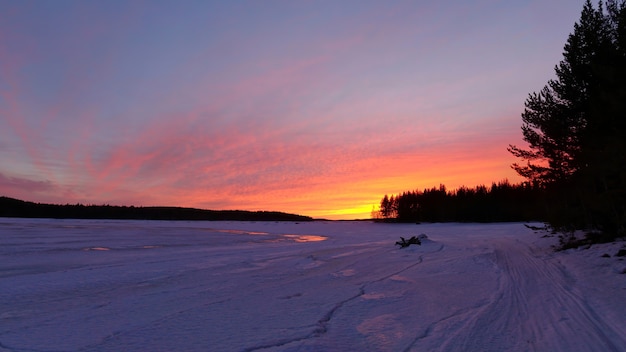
91, 285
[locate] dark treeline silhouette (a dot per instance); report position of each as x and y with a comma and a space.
502, 201
10, 207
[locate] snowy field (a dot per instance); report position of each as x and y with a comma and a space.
88, 285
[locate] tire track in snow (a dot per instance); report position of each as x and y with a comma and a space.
536, 308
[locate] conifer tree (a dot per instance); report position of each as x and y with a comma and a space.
574, 126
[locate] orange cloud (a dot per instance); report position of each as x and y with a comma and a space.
325, 127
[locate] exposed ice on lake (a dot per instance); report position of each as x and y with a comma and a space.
95, 285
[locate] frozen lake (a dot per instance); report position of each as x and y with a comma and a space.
93, 285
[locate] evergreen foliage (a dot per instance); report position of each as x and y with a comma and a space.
575, 127
10, 207
502, 201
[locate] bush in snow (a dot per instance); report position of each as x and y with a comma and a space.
413, 240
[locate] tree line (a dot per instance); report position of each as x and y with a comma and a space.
500, 202
575, 130
10, 207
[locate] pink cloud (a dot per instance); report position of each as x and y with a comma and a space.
15, 185
323, 124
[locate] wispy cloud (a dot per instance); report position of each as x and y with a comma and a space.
312, 108
10, 184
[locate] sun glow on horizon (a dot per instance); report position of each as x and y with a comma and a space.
312, 108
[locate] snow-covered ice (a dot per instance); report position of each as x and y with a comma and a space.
89, 285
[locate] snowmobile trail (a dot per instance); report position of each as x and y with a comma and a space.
537, 307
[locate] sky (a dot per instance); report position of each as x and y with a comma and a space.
318, 108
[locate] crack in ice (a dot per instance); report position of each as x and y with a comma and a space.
322, 324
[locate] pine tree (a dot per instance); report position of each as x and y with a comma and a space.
604, 142
575, 125
554, 118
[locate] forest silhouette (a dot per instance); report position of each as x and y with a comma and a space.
501, 202
575, 162
10, 207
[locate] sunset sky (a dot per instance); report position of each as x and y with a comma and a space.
311, 107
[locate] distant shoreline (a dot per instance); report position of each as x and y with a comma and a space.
16, 208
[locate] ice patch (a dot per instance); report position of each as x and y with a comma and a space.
378, 295
382, 332
401, 279
296, 238
240, 232
345, 273
305, 238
